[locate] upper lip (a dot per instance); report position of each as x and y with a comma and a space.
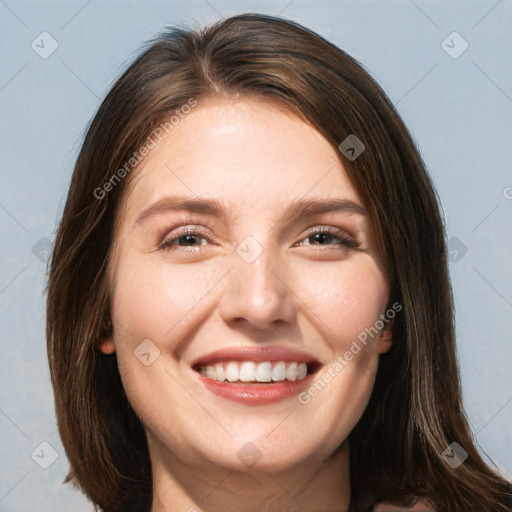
256, 354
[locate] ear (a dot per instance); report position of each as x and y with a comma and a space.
386, 338
107, 346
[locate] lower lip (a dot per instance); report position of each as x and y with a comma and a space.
256, 394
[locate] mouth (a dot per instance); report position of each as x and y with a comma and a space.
256, 375
254, 372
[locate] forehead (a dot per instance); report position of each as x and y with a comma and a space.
250, 154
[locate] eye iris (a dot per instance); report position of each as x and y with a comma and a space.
321, 237
188, 238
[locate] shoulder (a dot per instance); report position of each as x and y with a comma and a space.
420, 506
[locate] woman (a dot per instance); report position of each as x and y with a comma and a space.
249, 305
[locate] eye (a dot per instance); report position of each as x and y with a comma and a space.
323, 235
190, 240
187, 238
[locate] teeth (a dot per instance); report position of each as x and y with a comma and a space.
291, 372
264, 372
220, 373
249, 371
210, 372
302, 371
232, 372
279, 371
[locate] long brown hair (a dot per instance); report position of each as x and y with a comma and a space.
415, 409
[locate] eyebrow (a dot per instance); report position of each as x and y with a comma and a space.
302, 207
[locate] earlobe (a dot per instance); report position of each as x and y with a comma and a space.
386, 338
107, 346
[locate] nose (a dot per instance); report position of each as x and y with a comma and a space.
258, 294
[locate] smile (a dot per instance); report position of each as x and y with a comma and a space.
256, 376
251, 371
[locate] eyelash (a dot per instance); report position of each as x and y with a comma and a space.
345, 241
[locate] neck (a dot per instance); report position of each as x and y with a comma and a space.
314, 485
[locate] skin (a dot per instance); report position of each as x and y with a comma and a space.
317, 296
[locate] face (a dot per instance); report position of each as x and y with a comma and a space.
248, 301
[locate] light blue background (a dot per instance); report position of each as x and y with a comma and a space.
459, 111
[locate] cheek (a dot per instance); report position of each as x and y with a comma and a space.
158, 301
164, 304
345, 300
346, 303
